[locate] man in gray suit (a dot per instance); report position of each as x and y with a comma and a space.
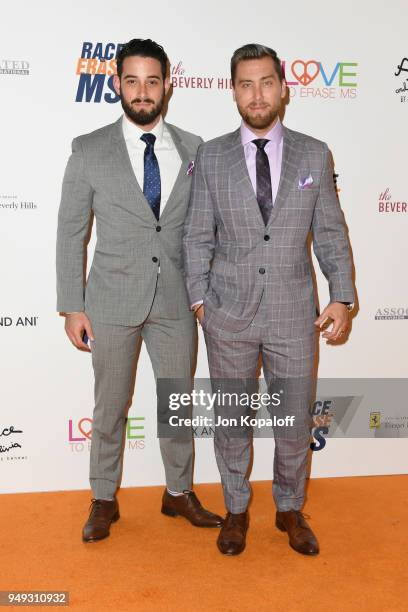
257, 193
134, 176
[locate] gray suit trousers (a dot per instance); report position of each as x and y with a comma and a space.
234, 368
171, 344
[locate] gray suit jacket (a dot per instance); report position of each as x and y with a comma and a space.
121, 285
229, 260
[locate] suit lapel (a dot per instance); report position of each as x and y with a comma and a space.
126, 167
239, 171
182, 176
290, 162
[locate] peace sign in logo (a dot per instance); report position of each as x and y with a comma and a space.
301, 71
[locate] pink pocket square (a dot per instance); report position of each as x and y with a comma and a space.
305, 183
190, 168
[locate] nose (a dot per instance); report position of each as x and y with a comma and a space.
141, 90
258, 92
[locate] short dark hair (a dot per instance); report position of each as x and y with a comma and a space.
142, 48
255, 51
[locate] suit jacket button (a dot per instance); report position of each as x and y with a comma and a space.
154, 259
266, 237
158, 228
261, 270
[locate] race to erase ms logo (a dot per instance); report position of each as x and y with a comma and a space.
96, 67
331, 417
80, 434
322, 415
316, 79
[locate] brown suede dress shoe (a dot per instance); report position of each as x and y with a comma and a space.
188, 505
103, 513
301, 537
232, 538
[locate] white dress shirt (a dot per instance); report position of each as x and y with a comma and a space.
167, 155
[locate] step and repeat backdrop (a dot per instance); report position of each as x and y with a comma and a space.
347, 71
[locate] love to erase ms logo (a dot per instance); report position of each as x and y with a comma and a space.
80, 434
315, 79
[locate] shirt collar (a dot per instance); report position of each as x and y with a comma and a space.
133, 132
275, 134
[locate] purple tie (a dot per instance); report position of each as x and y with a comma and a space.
263, 179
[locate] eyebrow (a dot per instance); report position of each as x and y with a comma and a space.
269, 76
133, 76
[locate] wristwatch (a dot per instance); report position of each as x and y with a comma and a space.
349, 305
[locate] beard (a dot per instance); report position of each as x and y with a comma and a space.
257, 120
142, 117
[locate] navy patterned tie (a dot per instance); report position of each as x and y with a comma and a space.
263, 179
151, 179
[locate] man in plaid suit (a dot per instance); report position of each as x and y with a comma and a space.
257, 194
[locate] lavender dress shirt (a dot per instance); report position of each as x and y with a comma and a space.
273, 149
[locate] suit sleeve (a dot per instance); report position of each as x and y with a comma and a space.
73, 223
199, 234
330, 240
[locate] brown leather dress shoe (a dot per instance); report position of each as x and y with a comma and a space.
188, 505
301, 537
232, 538
103, 513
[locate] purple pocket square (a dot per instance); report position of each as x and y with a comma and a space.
190, 168
305, 183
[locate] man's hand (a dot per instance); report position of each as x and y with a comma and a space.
75, 325
339, 314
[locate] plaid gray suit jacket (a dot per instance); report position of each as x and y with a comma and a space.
227, 260
99, 179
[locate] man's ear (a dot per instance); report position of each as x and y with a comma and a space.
284, 88
116, 84
166, 85
233, 94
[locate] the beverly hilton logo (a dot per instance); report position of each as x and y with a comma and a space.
181, 79
387, 204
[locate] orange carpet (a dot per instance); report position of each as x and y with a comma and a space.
153, 562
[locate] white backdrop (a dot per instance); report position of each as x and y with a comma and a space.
352, 104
